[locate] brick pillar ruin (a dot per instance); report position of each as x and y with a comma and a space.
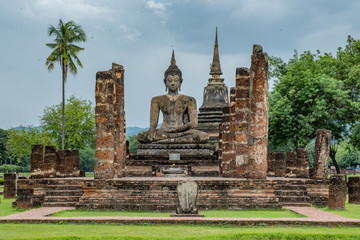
110, 143
245, 122
337, 191
37, 159
9, 185
322, 151
354, 190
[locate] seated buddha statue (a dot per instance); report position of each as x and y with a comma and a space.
179, 114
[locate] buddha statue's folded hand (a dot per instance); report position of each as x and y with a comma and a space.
151, 134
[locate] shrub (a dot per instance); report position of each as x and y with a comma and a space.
8, 168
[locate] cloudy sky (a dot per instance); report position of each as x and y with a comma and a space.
140, 35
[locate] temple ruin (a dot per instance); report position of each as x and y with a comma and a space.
225, 154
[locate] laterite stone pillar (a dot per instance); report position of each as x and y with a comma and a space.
337, 191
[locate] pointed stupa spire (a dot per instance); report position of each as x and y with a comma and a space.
215, 66
173, 61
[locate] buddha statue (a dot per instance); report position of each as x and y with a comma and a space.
179, 114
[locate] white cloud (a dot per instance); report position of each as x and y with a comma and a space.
159, 8
128, 33
68, 9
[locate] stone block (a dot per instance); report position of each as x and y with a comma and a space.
9, 185
25, 198
322, 151
187, 192
354, 190
337, 191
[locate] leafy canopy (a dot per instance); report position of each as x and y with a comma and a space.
314, 91
64, 50
79, 123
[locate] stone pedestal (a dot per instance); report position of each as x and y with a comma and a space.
322, 151
9, 185
337, 192
164, 150
354, 190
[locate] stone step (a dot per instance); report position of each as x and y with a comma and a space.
64, 192
294, 204
290, 193
291, 187
210, 120
48, 199
64, 187
293, 199
60, 204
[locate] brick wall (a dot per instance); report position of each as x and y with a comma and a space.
9, 185
62, 163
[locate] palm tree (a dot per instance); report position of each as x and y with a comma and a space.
65, 52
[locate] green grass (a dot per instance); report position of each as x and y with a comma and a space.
350, 211
89, 174
164, 231
6, 208
271, 213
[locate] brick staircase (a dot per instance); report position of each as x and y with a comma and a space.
62, 194
292, 193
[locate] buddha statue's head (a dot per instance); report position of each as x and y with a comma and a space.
173, 73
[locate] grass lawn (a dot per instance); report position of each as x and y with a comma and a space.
6, 208
271, 213
350, 211
164, 231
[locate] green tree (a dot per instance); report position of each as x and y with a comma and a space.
65, 53
19, 144
133, 144
87, 158
313, 91
3, 140
80, 123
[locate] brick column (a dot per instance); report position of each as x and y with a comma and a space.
50, 161
337, 191
354, 190
259, 114
119, 119
9, 185
322, 151
110, 142
37, 161
241, 123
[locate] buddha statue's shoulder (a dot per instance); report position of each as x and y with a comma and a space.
160, 98
188, 99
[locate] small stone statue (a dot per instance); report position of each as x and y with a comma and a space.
187, 193
179, 114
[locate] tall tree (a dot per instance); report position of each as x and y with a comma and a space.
314, 91
65, 53
79, 123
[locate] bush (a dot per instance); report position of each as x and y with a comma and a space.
87, 158
8, 168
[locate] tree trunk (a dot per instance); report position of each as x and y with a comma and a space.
63, 106
332, 156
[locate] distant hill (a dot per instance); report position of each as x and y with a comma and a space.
130, 131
